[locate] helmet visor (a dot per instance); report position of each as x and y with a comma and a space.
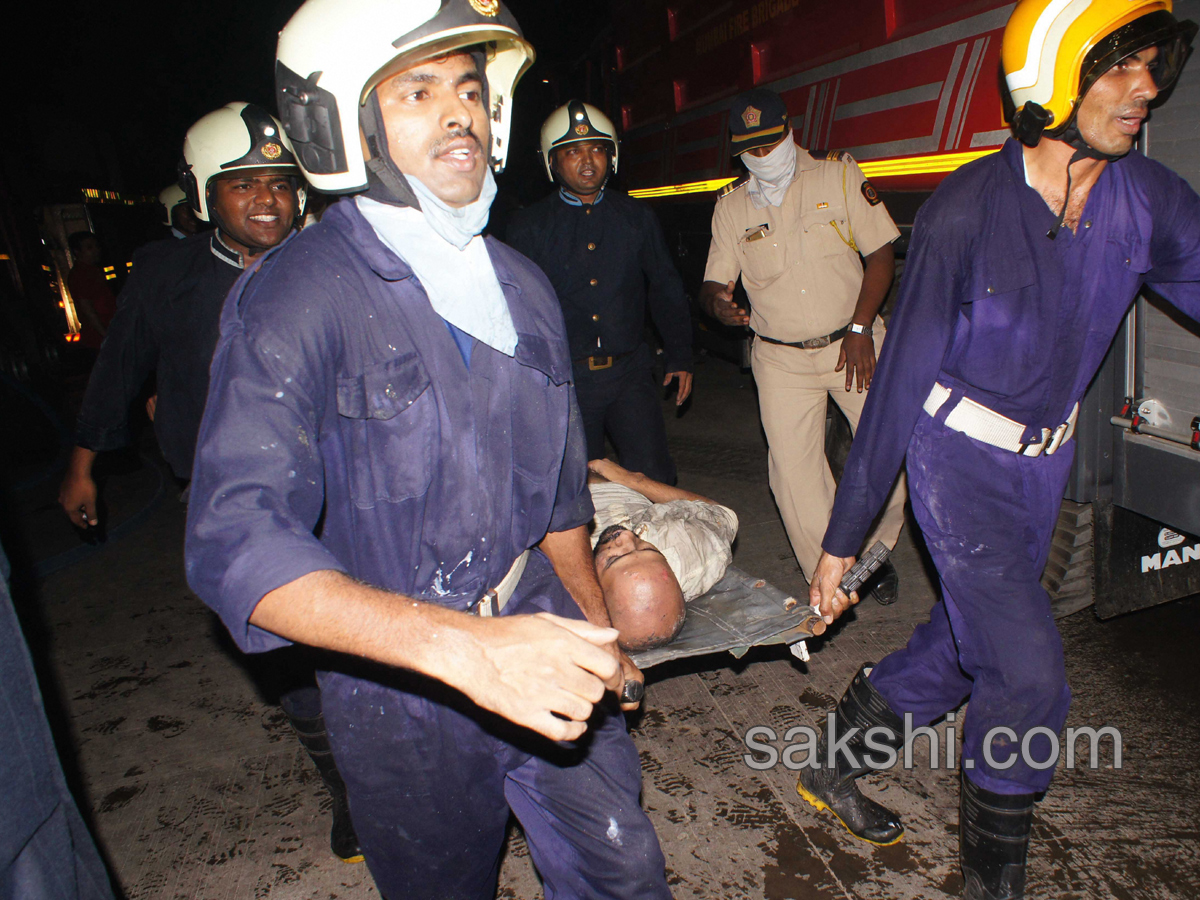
1157, 29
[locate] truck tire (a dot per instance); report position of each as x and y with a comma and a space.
1069, 577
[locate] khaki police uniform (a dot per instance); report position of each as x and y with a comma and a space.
800, 265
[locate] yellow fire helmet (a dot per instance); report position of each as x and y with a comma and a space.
573, 122
1054, 50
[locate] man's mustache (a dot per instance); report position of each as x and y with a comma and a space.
440, 145
608, 535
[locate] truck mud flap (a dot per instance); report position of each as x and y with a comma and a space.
1141, 562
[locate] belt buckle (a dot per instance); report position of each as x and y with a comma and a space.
594, 366
815, 343
486, 607
1057, 440
1039, 448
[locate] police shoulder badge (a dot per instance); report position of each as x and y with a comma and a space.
272, 151
872, 195
752, 117
733, 186
486, 7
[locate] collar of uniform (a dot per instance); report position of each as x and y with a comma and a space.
1013, 154
346, 217
224, 252
805, 161
537, 345
534, 346
571, 200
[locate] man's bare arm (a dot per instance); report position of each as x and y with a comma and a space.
531, 670
857, 355
570, 552
654, 491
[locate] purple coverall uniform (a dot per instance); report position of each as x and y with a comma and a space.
347, 431
993, 309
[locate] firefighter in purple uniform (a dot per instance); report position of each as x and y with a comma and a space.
1021, 269
391, 466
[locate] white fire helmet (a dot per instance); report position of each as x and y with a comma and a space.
333, 53
574, 122
170, 197
234, 138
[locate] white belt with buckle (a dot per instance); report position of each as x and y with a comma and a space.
977, 421
494, 600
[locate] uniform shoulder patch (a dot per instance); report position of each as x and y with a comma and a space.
871, 195
733, 186
831, 155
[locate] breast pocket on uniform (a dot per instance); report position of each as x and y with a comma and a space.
390, 420
1131, 252
1004, 274
826, 231
763, 253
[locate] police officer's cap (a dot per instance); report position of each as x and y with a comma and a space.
757, 118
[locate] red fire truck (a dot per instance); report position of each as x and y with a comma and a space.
909, 87
912, 88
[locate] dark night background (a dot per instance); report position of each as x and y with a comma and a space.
102, 93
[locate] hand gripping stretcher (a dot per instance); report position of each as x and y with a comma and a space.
741, 611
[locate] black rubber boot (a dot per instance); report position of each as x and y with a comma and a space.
993, 840
861, 707
342, 839
885, 586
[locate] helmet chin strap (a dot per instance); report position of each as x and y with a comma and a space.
385, 182
1083, 150
251, 249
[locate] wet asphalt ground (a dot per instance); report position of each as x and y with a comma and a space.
196, 788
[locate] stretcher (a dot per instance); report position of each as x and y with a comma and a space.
741, 611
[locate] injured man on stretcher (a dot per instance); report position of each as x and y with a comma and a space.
656, 548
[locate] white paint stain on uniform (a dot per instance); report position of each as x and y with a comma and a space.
441, 581
614, 832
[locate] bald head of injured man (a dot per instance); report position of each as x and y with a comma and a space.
656, 548
643, 596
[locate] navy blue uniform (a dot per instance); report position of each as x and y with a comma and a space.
607, 262
994, 310
46, 852
167, 322
341, 402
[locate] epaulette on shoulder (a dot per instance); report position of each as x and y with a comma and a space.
733, 186
831, 155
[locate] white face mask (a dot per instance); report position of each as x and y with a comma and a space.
771, 175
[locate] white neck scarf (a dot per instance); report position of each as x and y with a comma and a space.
444, 247
771, 175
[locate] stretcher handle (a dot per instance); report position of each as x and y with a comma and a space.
867, 565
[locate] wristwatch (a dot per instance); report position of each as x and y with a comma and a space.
855, 328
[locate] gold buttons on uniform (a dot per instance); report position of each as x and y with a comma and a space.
591, 246
594, 282
595, 317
